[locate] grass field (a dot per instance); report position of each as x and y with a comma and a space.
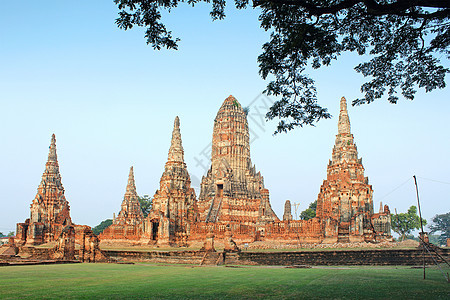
118, 281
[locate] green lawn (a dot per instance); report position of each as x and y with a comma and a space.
117, 281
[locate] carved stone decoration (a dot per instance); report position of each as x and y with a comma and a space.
229, 243
208, 245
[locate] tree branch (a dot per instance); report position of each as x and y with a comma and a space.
373, 8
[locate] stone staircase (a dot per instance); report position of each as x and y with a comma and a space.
212, 258
344, 232
214, 210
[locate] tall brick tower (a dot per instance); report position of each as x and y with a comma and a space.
50, 211
130, 212
174, 202
232, 190
345, 198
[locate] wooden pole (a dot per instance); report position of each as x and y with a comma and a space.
421, 226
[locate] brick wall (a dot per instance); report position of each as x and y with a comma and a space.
344, 257
316, 258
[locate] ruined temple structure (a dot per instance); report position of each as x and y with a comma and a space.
233, 206
50, 211
287, 215
50, 221
174, 203
344, 203
130, 212
233, 192
128, 224
381, 222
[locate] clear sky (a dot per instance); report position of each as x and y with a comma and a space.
65, 68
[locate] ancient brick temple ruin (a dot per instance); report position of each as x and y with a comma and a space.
344, 203
287, 215
233, 204
128, 224
233, 200
174, 203
50, 220
50, 211
232, 192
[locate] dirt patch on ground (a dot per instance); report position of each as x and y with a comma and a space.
408, 244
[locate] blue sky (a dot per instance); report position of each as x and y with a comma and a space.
65, 68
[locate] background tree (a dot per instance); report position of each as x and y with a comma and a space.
11, 233
441, 224
405, 223
406, 41
310, 212
102, 226
146, 204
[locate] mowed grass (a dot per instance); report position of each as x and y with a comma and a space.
119, 281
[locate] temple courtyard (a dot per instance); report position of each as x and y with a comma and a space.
139, 281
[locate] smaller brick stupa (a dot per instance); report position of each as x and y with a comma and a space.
344, 203
173, 207
287, 215
50, 211
128, 224
130, 212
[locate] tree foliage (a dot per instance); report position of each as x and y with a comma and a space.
310, 212
406, 41
441, 224
11, 233
102, 226
146, 204
404, 223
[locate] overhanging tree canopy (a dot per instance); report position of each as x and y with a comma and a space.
407, 41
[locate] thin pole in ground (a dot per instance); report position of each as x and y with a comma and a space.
421, 225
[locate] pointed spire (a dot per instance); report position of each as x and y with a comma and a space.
176, 153
381, 207
50, 193
52, 157
130, 212
131, 186
51, 173
231, 103
344, 121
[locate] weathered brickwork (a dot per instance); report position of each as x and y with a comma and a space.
234, 201
50, 211
233, 204
344, 202
233, 191
385, 257
287, 215
128, 224
50, 220
174, 203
